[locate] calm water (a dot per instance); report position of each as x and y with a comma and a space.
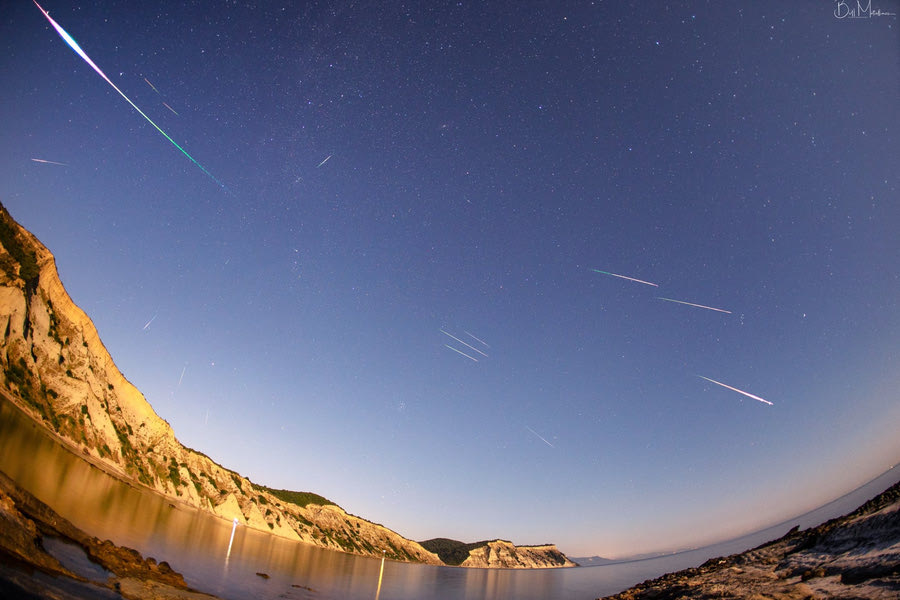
195, 543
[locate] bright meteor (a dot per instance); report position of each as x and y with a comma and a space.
623, 277
49, 162
734, 389
692, 304
74, 45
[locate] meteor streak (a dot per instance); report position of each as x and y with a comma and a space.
151, 85
623, 277
697, 305
148, 322
486, 345
74, 45
463, 343
170, 108
49, 162
734, 389
324, 161
460, 352
539, 436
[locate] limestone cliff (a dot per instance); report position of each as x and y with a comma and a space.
55, 367
501, 554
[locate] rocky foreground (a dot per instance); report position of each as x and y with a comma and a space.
856, 556
28, 570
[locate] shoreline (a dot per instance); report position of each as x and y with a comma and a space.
29, 570
97, 463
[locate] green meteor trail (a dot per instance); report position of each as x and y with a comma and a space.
74, 45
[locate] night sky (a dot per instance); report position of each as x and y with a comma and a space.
291, 316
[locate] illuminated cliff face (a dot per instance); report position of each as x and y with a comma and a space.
500, 554
55, 366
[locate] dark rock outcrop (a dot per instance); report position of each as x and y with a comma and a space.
25, 522
854, 556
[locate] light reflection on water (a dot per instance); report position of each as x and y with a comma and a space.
196, 543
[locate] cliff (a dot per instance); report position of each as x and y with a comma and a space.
501, 554
55, 367
497, 554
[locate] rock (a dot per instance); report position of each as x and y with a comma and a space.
24, 520
855, 556
812, 574
855, 575
500, 554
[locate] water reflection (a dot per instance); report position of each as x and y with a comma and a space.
74, 558
380, 575
231, 540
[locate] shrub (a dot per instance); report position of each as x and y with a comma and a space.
298, 498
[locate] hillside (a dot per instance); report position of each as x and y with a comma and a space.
54, 365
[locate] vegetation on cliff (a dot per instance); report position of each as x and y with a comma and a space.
298, 498
452, 552
22, 260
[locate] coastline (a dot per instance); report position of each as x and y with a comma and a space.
854, 556
29, 570
119, 475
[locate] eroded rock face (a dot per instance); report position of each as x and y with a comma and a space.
55, 367
501, 554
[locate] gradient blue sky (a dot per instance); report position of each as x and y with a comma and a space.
484, 159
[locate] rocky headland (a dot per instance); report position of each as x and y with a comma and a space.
54, 366
498, 554
852, 557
